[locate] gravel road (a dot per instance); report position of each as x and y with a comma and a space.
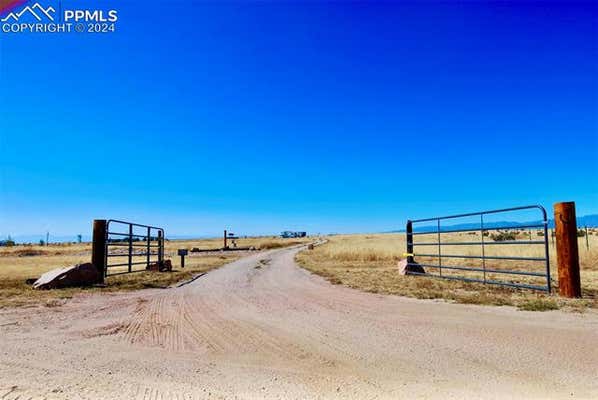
262, 328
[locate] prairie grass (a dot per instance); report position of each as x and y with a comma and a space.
20, 263
369, 263
276, 244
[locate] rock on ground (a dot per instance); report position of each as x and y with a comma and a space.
75, 275
163, 266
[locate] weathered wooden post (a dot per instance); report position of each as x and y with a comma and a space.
98, 248
225, 245
567, 253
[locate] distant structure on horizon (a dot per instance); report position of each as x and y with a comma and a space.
291, 234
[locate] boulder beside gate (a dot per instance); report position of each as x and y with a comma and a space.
76, 275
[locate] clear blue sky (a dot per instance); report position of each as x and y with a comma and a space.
262, 117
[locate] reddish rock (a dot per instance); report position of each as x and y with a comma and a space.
164, 266
75, 275
153, 267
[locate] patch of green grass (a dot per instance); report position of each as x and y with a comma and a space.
539, 304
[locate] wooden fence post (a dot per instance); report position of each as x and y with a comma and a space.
567, 253
98, 248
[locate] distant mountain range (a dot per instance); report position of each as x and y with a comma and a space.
591, 221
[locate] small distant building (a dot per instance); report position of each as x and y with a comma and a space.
292, 234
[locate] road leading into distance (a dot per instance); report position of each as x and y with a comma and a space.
263, 328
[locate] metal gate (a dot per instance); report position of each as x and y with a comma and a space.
129, 245
531, 258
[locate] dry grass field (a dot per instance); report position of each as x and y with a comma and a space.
19, 263
369, 262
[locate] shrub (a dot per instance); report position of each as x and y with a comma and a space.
503, 236
581, 233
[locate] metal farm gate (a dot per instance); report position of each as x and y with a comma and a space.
129, 245
525, 260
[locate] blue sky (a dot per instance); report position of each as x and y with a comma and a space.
325, 117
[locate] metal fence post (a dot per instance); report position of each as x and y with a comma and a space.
409, 236
567, 250
148, 248
483, 248
160, 248
439, 248
547, 251
98, 248
130, 248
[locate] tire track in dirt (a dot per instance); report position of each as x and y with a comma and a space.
210, 323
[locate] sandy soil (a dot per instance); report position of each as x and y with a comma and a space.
263, 328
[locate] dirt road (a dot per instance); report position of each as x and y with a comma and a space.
263, 328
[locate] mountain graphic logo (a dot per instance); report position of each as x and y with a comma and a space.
37, 11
